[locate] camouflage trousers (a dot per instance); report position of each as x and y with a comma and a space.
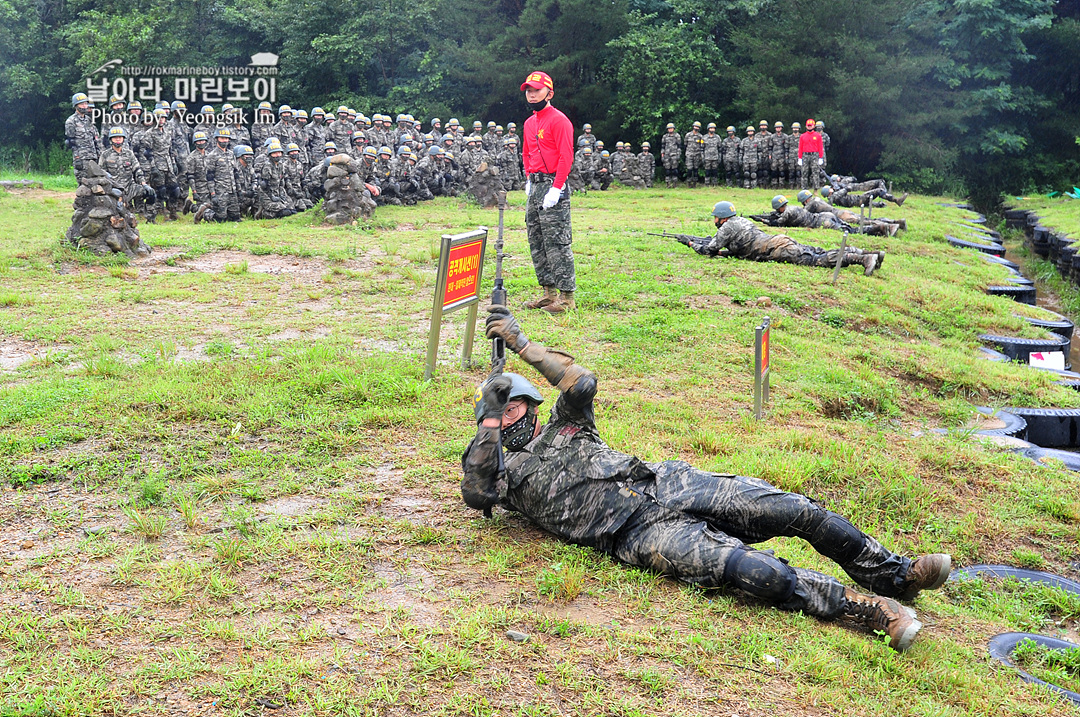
698, 522
778, 169
693, 168
550, 236
764, 164
784, 249
810, 174
749, 173
712, 172
731, 172
225, 207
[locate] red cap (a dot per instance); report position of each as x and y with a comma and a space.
538, 79
809, 123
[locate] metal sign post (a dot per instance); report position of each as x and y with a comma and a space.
840, 258
457, 285
761, 367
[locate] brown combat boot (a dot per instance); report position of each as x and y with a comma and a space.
869, 262
564, 303
928, 572
900, 201
882, 615
549, 297
201, 212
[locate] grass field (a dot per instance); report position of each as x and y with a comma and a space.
227, 486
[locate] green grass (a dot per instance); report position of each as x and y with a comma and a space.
1058, 667
247, 413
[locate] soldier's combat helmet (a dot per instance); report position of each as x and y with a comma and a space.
292, 147
317, 112
826, 191
749, 129
697, 125
712, 125
779, 124
723, 210
804, 195
223, 132
117, 132
242, 150
763, 123
646, 145
731, 128
199, 136
78, 98
274, 146
491, 125
178, 105
134, 105
329, 145
795, 126
370, 151
587, 127
301, 114
518, 434
206, 110
779, 201
670, 125
386, 150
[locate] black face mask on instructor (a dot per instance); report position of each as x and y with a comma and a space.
537, 106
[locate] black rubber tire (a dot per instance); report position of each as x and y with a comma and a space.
1020, 280
1040, 234
978, 219
1010, 423
979, 230
1007, 571
1067, 374
1073, 383
1001, 649
995, 249
1001, 260
1060, 325
1052, 427
993, 355
957, 206
1039, 455
1022, 294
1019, 349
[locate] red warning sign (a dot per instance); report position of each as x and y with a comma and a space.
462, 272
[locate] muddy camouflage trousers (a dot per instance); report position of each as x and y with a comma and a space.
698, 525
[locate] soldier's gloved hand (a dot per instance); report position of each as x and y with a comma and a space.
501, 324
551, 198
683, 239
491, 397
326, 162
528, 187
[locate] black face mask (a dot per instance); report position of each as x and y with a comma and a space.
518, 434
537, 106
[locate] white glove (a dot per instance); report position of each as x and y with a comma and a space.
528, 187
799, 161
551, 198
821, 160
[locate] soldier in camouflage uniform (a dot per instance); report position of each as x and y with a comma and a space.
647, 164
629, 174
793, 168
816, 205
286, 129
81, 135
695, 147
490, 139
158, 143
119, 161
294, 178
316, 175
845, 198
198, 162
670, 149
206, 124
778, 146
436, 129
262, 128
315, 137
510, 165
738, 237
689, 524
586, 137
748, 159
764, 142
340, 131
181, 146
711, 145
729, 154
238, 132
617, 160
271, 194
114, 117
784, 215
825, 142
243, 169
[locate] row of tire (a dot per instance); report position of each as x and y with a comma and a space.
1037, 433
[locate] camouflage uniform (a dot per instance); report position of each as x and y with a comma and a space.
244, 180
82, 138
764, 143
748, 159
550, 235
225, 194
778, 152
800, 217
181, 146
629, 175
695, 145
314, 140
731, 150
261, 129
712, 143
739, 237
125, 170
271, 194
647, 166
198, 162
286, 131
294, 183
589, 138
669, 517
793, 168
826, 140
158, 143
670, 149
510, 167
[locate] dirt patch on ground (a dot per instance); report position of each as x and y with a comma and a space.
16, 352
306, 270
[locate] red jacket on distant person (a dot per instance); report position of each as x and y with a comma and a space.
548, 137
811, 142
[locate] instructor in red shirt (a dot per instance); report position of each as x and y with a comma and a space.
547, 154
811, 156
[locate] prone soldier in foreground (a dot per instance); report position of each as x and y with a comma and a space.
670, 517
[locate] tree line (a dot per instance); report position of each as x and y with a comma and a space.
969, 96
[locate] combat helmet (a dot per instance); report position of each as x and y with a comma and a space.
723, 210
779, 201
